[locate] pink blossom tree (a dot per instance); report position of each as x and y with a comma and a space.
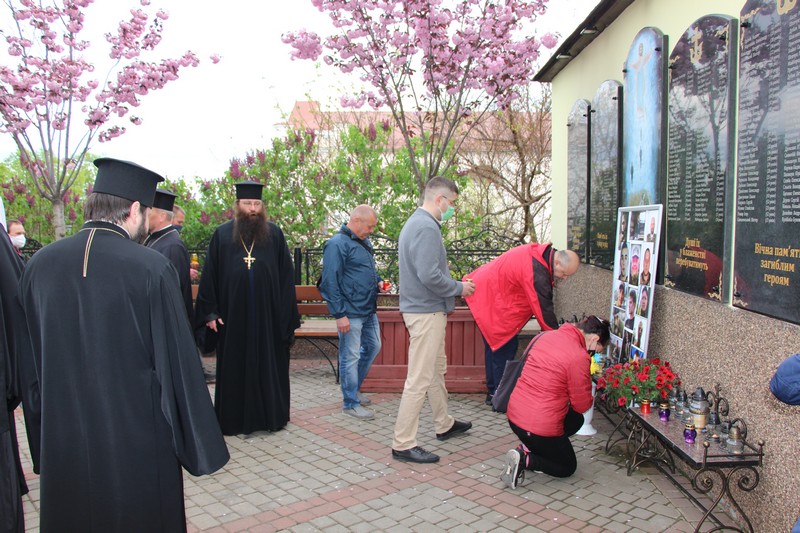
438, 65
51, 104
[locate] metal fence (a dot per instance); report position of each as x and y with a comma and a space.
464, 256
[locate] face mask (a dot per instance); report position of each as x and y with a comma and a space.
447, 215
179, 228
18, 241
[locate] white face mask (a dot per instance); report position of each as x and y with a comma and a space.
18, 241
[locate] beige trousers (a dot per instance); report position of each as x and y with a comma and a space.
427, 365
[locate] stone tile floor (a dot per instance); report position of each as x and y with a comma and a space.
329, 472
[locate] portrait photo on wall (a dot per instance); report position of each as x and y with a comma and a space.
619, 294
643, 307
647, 266
632, 291
639, 339
634, 260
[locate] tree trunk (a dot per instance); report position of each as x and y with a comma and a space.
59, 227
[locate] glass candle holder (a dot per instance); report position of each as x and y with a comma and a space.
645, 407
735, 443
664, 411
689, 434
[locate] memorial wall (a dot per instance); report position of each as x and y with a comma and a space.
742, 250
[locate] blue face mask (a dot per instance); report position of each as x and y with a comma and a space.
179, 228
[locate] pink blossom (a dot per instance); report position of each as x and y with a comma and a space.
72, 215
215, 58
549, 40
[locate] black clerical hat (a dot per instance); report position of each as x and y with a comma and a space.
126, 180
249, 190
164, 200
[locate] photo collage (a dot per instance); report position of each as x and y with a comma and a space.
635, 260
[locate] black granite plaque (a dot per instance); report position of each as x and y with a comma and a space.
700, 150
644, 135
604, 172
767, 248
577, 176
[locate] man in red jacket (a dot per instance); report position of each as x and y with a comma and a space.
508, 291
555, 387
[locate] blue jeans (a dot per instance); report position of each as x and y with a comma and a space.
357, 349
496, 361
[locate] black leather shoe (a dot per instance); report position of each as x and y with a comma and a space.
458, 427
488, 400
415, 455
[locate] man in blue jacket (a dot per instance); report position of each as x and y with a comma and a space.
350, 288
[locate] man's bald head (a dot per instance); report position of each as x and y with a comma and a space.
566, 263
363, 220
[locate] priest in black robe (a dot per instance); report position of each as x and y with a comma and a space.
246, 306
12, 478
123, 400
165, 239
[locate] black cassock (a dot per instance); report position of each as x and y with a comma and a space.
12, 479
168, 243
259, 311
123, 400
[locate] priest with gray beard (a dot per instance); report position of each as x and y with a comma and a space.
246, 308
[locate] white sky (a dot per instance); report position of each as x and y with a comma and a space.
213, 113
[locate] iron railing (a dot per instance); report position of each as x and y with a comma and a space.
464, 256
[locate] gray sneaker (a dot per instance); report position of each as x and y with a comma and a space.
363, 400
512, 472
359, 412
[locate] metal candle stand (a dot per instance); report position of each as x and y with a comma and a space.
719, 468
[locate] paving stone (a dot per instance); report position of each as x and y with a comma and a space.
326, 463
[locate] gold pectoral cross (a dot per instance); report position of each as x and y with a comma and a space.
249, 259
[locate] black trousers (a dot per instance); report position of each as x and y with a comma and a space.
552, 455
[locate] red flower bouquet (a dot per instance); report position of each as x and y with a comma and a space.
640, 379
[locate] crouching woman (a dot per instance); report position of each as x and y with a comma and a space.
555, 387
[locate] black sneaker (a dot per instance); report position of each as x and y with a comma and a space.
513, 473
488, 400
415, 455
458, 427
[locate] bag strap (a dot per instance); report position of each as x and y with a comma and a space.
530, 346
369, 250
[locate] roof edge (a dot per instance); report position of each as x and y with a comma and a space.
601, 17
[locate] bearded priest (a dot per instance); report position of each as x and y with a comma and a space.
246, 309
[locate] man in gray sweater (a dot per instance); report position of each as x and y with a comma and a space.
427, 295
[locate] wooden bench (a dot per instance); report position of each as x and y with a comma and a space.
316, 324
647, 439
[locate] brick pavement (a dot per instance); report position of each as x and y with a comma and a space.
329, 472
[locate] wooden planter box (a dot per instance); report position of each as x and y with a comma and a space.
463, 344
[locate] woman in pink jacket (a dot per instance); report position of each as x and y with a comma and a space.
555, 387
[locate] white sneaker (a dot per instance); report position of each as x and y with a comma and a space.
359, 412
512, 473
363, 400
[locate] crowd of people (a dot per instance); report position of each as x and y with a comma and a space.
101, 344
